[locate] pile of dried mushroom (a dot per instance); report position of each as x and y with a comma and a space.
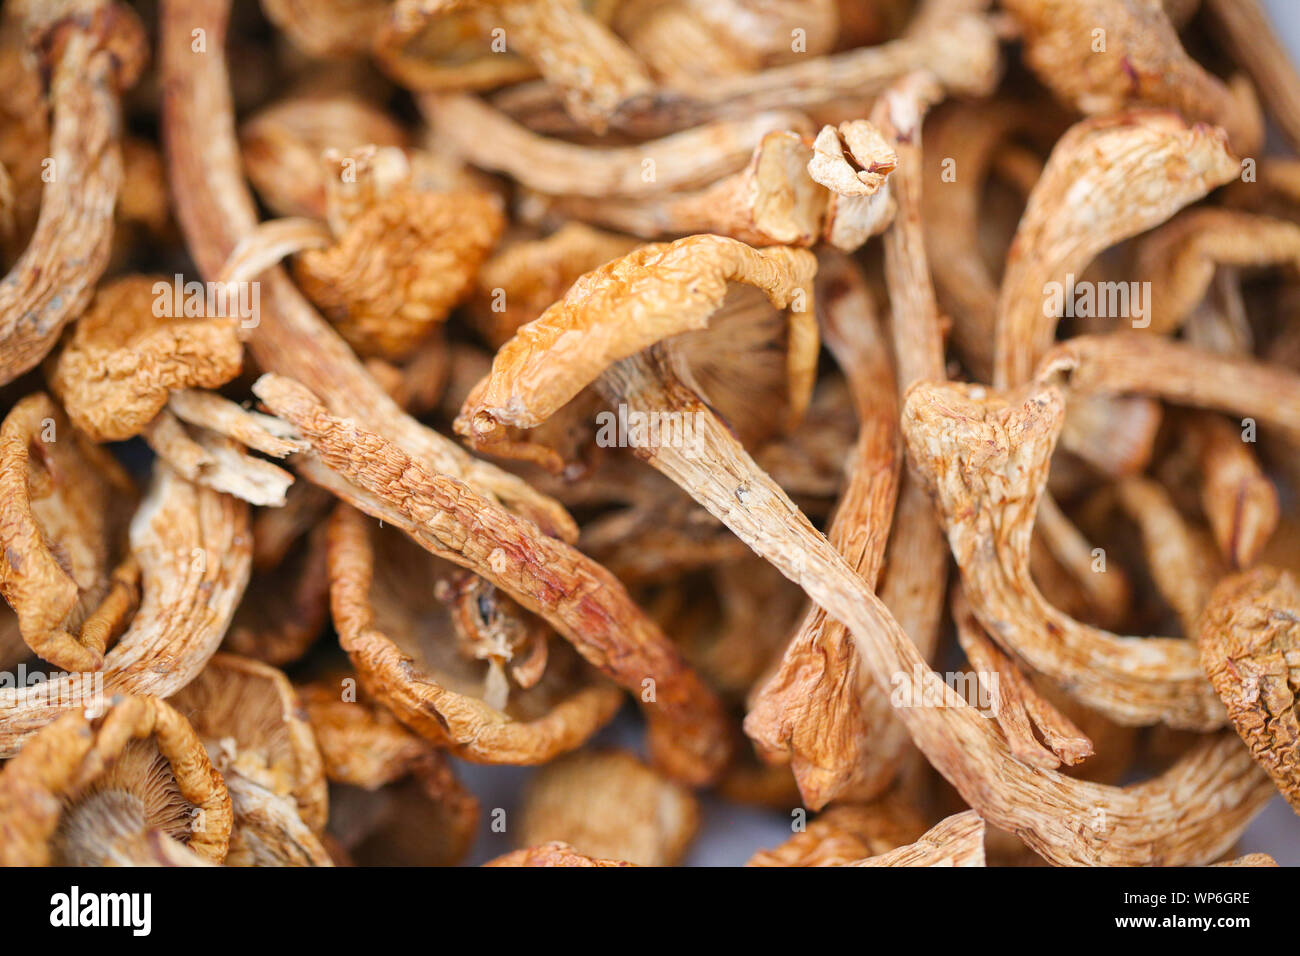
392, 382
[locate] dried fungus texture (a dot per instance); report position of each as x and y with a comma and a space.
847, 832
406, 651
90, 56
193, 548
607, 804
956, 841
65, 568
215, 210
1250, 648
281, 146
1136, 169
1148, 823
130, 787
627, 305
984, 457
130, 350
250, 721
581, 600
401, 259
1103, 56
818, 706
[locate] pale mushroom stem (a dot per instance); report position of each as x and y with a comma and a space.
1065, 820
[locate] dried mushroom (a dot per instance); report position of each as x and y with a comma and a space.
130, 350
1250, 647
538, 461
193, 549
132, 787
91, 50
447, 665
65, 568
248, 717
393, 796
608, 804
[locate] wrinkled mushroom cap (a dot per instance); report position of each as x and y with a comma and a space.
63, 513
124, 358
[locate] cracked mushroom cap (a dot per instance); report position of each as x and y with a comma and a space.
1250, 648
133, 787
64, 565
463, 674
123, 358
607, 804
249, 718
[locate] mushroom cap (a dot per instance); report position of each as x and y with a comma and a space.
126, 355
110, 789
64, 566
404, 648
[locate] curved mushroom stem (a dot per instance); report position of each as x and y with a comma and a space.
216, 212
1064, 820
98, 54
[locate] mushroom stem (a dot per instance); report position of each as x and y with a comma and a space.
216, 212
1153, 822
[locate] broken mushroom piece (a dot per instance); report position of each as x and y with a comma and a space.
193, 550
65, 567
130, 787
1104, 56
853, 162
91, 52
1250, 647
609, 804
140, 339
450, 673
249, 720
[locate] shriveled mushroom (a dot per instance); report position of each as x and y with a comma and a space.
984, 456
130, 350
64, 565
551, 854
1102, 56
609, 804
93, 49
193, 548
249, 719
1250, 647
847, 832
393, 796
132, 787
462, 680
